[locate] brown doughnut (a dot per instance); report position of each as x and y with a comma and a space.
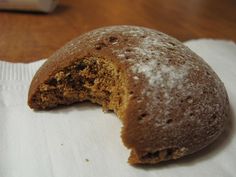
171, 103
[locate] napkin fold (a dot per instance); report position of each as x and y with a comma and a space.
81, 140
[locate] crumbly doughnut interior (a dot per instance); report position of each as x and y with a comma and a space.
92, 79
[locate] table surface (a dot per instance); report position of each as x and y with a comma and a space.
26, 37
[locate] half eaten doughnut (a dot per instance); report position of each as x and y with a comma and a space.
171, 103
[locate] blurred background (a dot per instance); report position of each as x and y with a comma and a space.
29, 36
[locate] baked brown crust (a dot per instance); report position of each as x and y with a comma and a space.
172, 104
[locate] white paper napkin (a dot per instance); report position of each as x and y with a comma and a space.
83, 141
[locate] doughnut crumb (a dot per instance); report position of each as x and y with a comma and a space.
88, 79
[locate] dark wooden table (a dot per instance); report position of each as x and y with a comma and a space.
26, 37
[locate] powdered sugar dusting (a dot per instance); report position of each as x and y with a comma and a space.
147, 58
166, 76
